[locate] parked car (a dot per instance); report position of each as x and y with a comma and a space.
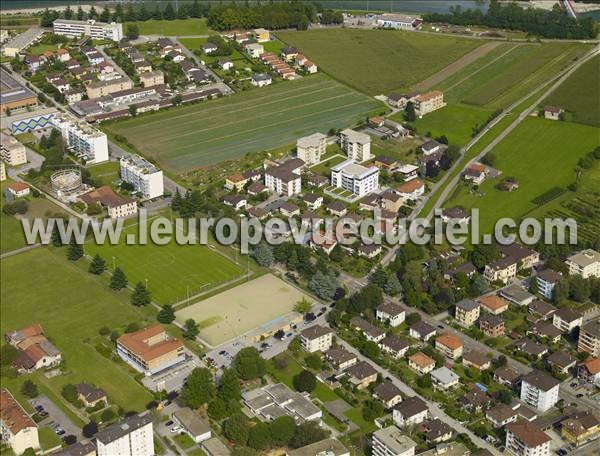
169, 423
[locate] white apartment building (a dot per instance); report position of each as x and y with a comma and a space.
410, 411
355, 178
12, 151
143, 175
546, 281
316, 338
19, 431
539, 390
356, 145
589, 338
390, 312
429, 102
285, 178
84, 141
311, 148
524, 438
390, 441
131, 437
585, 263
92, 28
567, 319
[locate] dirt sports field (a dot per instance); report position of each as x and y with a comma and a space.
202, 134
243, 308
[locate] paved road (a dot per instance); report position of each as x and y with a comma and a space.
110, 60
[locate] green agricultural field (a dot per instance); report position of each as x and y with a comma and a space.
540, 154
71, 305
173, 271
579, 95
177, 27
189, 137
376, 61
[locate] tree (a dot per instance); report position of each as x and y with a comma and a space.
307, 433
392, 286
303, 306
108, 415
282, 430
371, 350
409, 112
237, 429
132, 31
169, 12
259, 436
295, 345
217, 409
229, 386
305, 381
263, 254
140, 296
323, 285
105, 15
249, 364
199, 388
118, 281
372, 409
166, 315
55, 238
90, 429
8, 355
75, 251
69, 392
504, 396
424, 381
313, 361
413, 318
133, 110
29, 389
98, 265
379, 277
190, 329
80, 13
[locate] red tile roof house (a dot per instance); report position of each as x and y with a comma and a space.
35, 350
476, 172
411, 190
16, 190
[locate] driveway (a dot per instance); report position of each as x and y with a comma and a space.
56, 416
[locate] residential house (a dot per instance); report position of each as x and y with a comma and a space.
391, 201
312, 201
209, 48
523, 256
394, 345
225, 64
476, 173
316, 180
455, 215
284, 179
412, 190
545, 330
150, 350
449, 345
316, 338
437, 431
493, 304
410, 412
585, 263
361, 374
329, 447
257, 212
192, 424
531, 348
90, 395
356, 145
552, 112
444, 379
580, 428
337, 208
503, 270
589, 338
408, 172
507, 376
517, 295
385, 162
35, 351
369, 250
340, 358
289, 209
491, 325
391, 441
541, 310
235, 201
390, 313
152, 78
546, 281
397, 100
567, 319
421, 363
540, 390
422, 331
433, 147
289, 53
476, 359
372, 333
562, 361
261, 79
19, 432
133, 436
466, 312
323, 241
116, 205
311, 219
16, 190
589, 371
388, 393
500, 415
429, 102
275, 400
235, 181
526, 439
474, 401
261, 35
311, 148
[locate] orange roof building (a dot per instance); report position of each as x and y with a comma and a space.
19, 431
411, 189
493, 304
150, 350
450, 345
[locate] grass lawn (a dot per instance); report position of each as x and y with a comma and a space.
580, 94
48, 439
105, 173
192, 136
173, 271
355, 415
39, 48
184, 441
177, 27
324, 168
456, 121
11, 234
273, 46
71, 305
376, 61
534, 153
193, 44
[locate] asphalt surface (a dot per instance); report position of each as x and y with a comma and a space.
56, 417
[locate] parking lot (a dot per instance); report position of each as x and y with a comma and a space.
56, 418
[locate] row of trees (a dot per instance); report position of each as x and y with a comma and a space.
272, 15
547, 24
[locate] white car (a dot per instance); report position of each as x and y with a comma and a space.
175, 429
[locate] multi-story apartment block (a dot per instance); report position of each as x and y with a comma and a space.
356, 145
316, 338
146, 178
467, 312
390, 441
84, 141
524, 438
567, 319
429, 102
450, 345
311, 148
355, 178
546, 281
540, 390
501, 270
12, 151
131, 437
391, 313
98, 30
585, 263
589, 338
410, 411
97, 89
491, 325
150, 350
421, 363
285, 178
19, 431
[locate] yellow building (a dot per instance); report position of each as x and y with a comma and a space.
429, 102
580, 428
18, 430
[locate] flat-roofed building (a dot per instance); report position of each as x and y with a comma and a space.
13, 95
12, 151
214, 447
132, 436
22, 41
83, 140
391, 441
146, 178
355, 178
311, 148
98, 30
585, 263
192, 424
356, 145
150, 350
19, 431
327, 447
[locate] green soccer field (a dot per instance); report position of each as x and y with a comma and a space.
192, 136
377, 61
173, 271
